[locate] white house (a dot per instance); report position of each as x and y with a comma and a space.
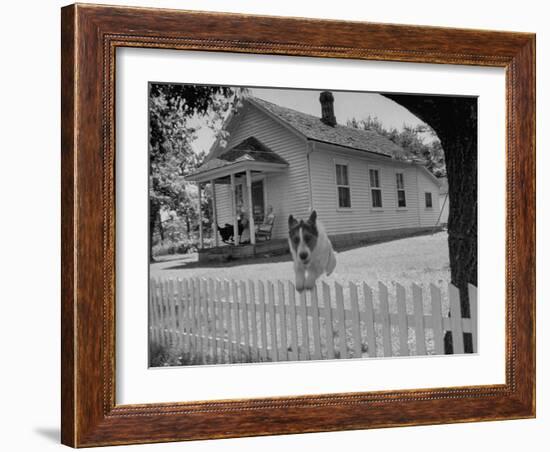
296, 162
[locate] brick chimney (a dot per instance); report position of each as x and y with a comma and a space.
327, 108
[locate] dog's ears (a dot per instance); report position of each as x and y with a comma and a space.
312, 218
291, 222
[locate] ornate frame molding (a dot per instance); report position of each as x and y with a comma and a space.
90, 37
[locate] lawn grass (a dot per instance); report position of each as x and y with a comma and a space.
421, 260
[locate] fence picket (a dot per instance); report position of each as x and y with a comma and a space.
437, 320
173, 318
281, 309
204, 320
178, 315
385, 319
172, 312
293, 324
237, 324
355, 321
329, 332
160, 318
163, 312
200, 321
420, 332
263, 321
272, 321
456, 320
229, 322
342, 345
304, 349
180, 302
164, 304
168, 301
315, 324
225, 314
402, 320
200, 318
255, 344
218, 322
196, 305
472, 295
158, 295
245, 330
185, 303
155, 317
151, 313
191, 291
369, 320
211, 319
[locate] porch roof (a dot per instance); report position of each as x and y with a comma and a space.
249, 154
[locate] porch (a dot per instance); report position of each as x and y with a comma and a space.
227, 253
243, 169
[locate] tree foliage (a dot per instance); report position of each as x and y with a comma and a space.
419, 142
173, 113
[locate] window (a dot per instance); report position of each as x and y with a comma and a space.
400, 181
429, 204
376, 191
342, 183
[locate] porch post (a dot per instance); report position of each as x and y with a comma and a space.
201, 240
251, 227
234, 206
214, 213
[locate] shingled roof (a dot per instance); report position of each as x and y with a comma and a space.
313, 128
250, 149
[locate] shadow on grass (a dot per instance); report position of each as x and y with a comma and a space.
180, 263
230, 262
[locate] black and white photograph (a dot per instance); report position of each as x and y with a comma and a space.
306, 224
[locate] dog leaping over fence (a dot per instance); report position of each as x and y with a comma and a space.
311, 251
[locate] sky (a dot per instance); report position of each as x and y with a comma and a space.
347, 105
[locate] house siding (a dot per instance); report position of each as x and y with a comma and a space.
443, 208
428, 216
361, 217
288, 191
223, 204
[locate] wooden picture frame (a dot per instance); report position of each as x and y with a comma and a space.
90, 36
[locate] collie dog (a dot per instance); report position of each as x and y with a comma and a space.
311, 251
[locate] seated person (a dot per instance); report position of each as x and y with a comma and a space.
245, 225
267, 224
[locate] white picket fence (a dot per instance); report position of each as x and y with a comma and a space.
213, 321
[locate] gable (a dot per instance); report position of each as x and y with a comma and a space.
251, 121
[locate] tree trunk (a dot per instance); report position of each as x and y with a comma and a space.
160, 227
462, 226
154, 214
454, 120
188, 227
